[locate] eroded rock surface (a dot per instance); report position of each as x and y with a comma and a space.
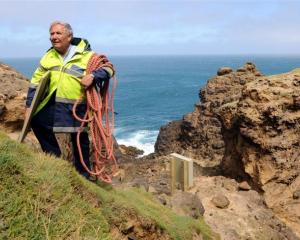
199, 133
12, 98
238, 214
248, 125
263, 137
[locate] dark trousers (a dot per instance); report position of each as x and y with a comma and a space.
41, 125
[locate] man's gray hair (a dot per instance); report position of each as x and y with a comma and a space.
67, 26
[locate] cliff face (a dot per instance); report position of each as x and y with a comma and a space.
249, 126
199, 134
12, 98
266, 141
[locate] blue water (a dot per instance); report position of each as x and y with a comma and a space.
153, 90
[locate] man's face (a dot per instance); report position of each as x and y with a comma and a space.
60, 38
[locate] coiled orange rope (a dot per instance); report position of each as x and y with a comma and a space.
100, 118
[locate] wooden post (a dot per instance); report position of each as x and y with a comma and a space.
181, 172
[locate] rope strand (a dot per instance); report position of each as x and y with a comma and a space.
100, 118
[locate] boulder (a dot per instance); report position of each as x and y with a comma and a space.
244, 186
220, 201
130, 150
224, 70
185, 203
13, 89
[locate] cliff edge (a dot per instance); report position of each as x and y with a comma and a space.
12, 98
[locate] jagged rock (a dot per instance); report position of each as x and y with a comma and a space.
224, 70
13, 89
248, 125
267, 132
220, 201
185, 203
164, 199
244, 186
130, 150
167, 141
246, 214
127, 227
151, 189
296, 194
230, 185
199, 134
131, 237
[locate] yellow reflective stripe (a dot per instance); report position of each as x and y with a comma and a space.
109, 70
65, 100
55, 68
33, 85
73, 73
67, 129
66, 70
42, 68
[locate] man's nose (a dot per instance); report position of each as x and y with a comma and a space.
53, 36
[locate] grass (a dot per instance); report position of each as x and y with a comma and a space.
42, 197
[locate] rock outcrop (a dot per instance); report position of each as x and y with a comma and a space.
199, 133
267, 137
12, 98
248, 125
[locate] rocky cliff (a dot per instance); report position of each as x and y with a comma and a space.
12, 98
247, 126
199, 133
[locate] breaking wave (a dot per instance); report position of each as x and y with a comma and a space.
141, 139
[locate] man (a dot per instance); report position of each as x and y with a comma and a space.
67, 61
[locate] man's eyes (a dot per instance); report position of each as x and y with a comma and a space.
57, 33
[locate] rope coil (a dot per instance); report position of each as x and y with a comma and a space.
100, 118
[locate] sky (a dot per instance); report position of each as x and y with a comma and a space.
155, 27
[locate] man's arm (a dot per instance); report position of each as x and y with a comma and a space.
101, 75
98, 77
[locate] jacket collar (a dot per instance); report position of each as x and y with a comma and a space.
81, 44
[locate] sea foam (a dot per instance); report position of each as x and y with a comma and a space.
141, 139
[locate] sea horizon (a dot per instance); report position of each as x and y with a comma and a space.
177, 54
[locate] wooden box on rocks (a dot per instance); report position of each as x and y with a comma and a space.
181, 172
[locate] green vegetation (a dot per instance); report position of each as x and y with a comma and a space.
42, 197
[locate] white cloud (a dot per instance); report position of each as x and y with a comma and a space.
132, 36
28, 33
165, 26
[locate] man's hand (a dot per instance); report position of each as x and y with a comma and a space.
87, 80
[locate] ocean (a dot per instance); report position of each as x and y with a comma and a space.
154, 90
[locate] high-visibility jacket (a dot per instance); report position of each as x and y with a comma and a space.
65, 83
